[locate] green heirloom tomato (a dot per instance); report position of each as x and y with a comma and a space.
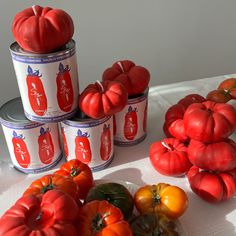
116, 194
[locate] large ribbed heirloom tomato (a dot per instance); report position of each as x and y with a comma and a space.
212, 187
134, 78
100, 218
218, 156
169, 157
42, 29
103, 98
169, 200
209, 121
53, 214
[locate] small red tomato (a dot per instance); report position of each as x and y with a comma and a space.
218, 95
169, 157
190, 99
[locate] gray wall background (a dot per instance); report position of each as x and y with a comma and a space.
176, 40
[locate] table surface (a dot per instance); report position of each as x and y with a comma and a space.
132, 164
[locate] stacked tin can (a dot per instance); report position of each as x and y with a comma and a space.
48, 109
47, 76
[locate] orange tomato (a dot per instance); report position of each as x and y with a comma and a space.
100, 218
163, 198
80, 173
53, 181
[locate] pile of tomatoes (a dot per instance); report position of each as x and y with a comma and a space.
68, 202
109, 96
198, 145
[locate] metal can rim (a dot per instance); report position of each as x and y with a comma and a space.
11, 123
88, 122
139, 98
64, 50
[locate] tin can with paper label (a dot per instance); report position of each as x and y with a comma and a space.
88, 140
33, 147
48, 83
130, 124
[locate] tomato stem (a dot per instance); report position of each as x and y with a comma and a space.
74, 171
168, 146
98, 223
38, 218
34, 9
120, 65
100, 84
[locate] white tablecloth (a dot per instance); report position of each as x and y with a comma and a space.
132, 164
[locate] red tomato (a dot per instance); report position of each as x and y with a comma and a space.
229, 86
36, 93
46, 148
134, 78
190, 99
169, 157
20, 150
100, 218
65, 93
82, 147
219, 95
49, 182
209, 121
81, 174
105, 146
66, 150
42, 30
212, 187
177, 130
103, 99
131, 123
175, 112
145, 118
53, 214
219, 156
114, 125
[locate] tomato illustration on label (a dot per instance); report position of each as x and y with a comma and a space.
65, 94
46, 148
114, 125
82, 147
105, 146
131, 123
145, 118
36, 93
20, 149
65, 145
